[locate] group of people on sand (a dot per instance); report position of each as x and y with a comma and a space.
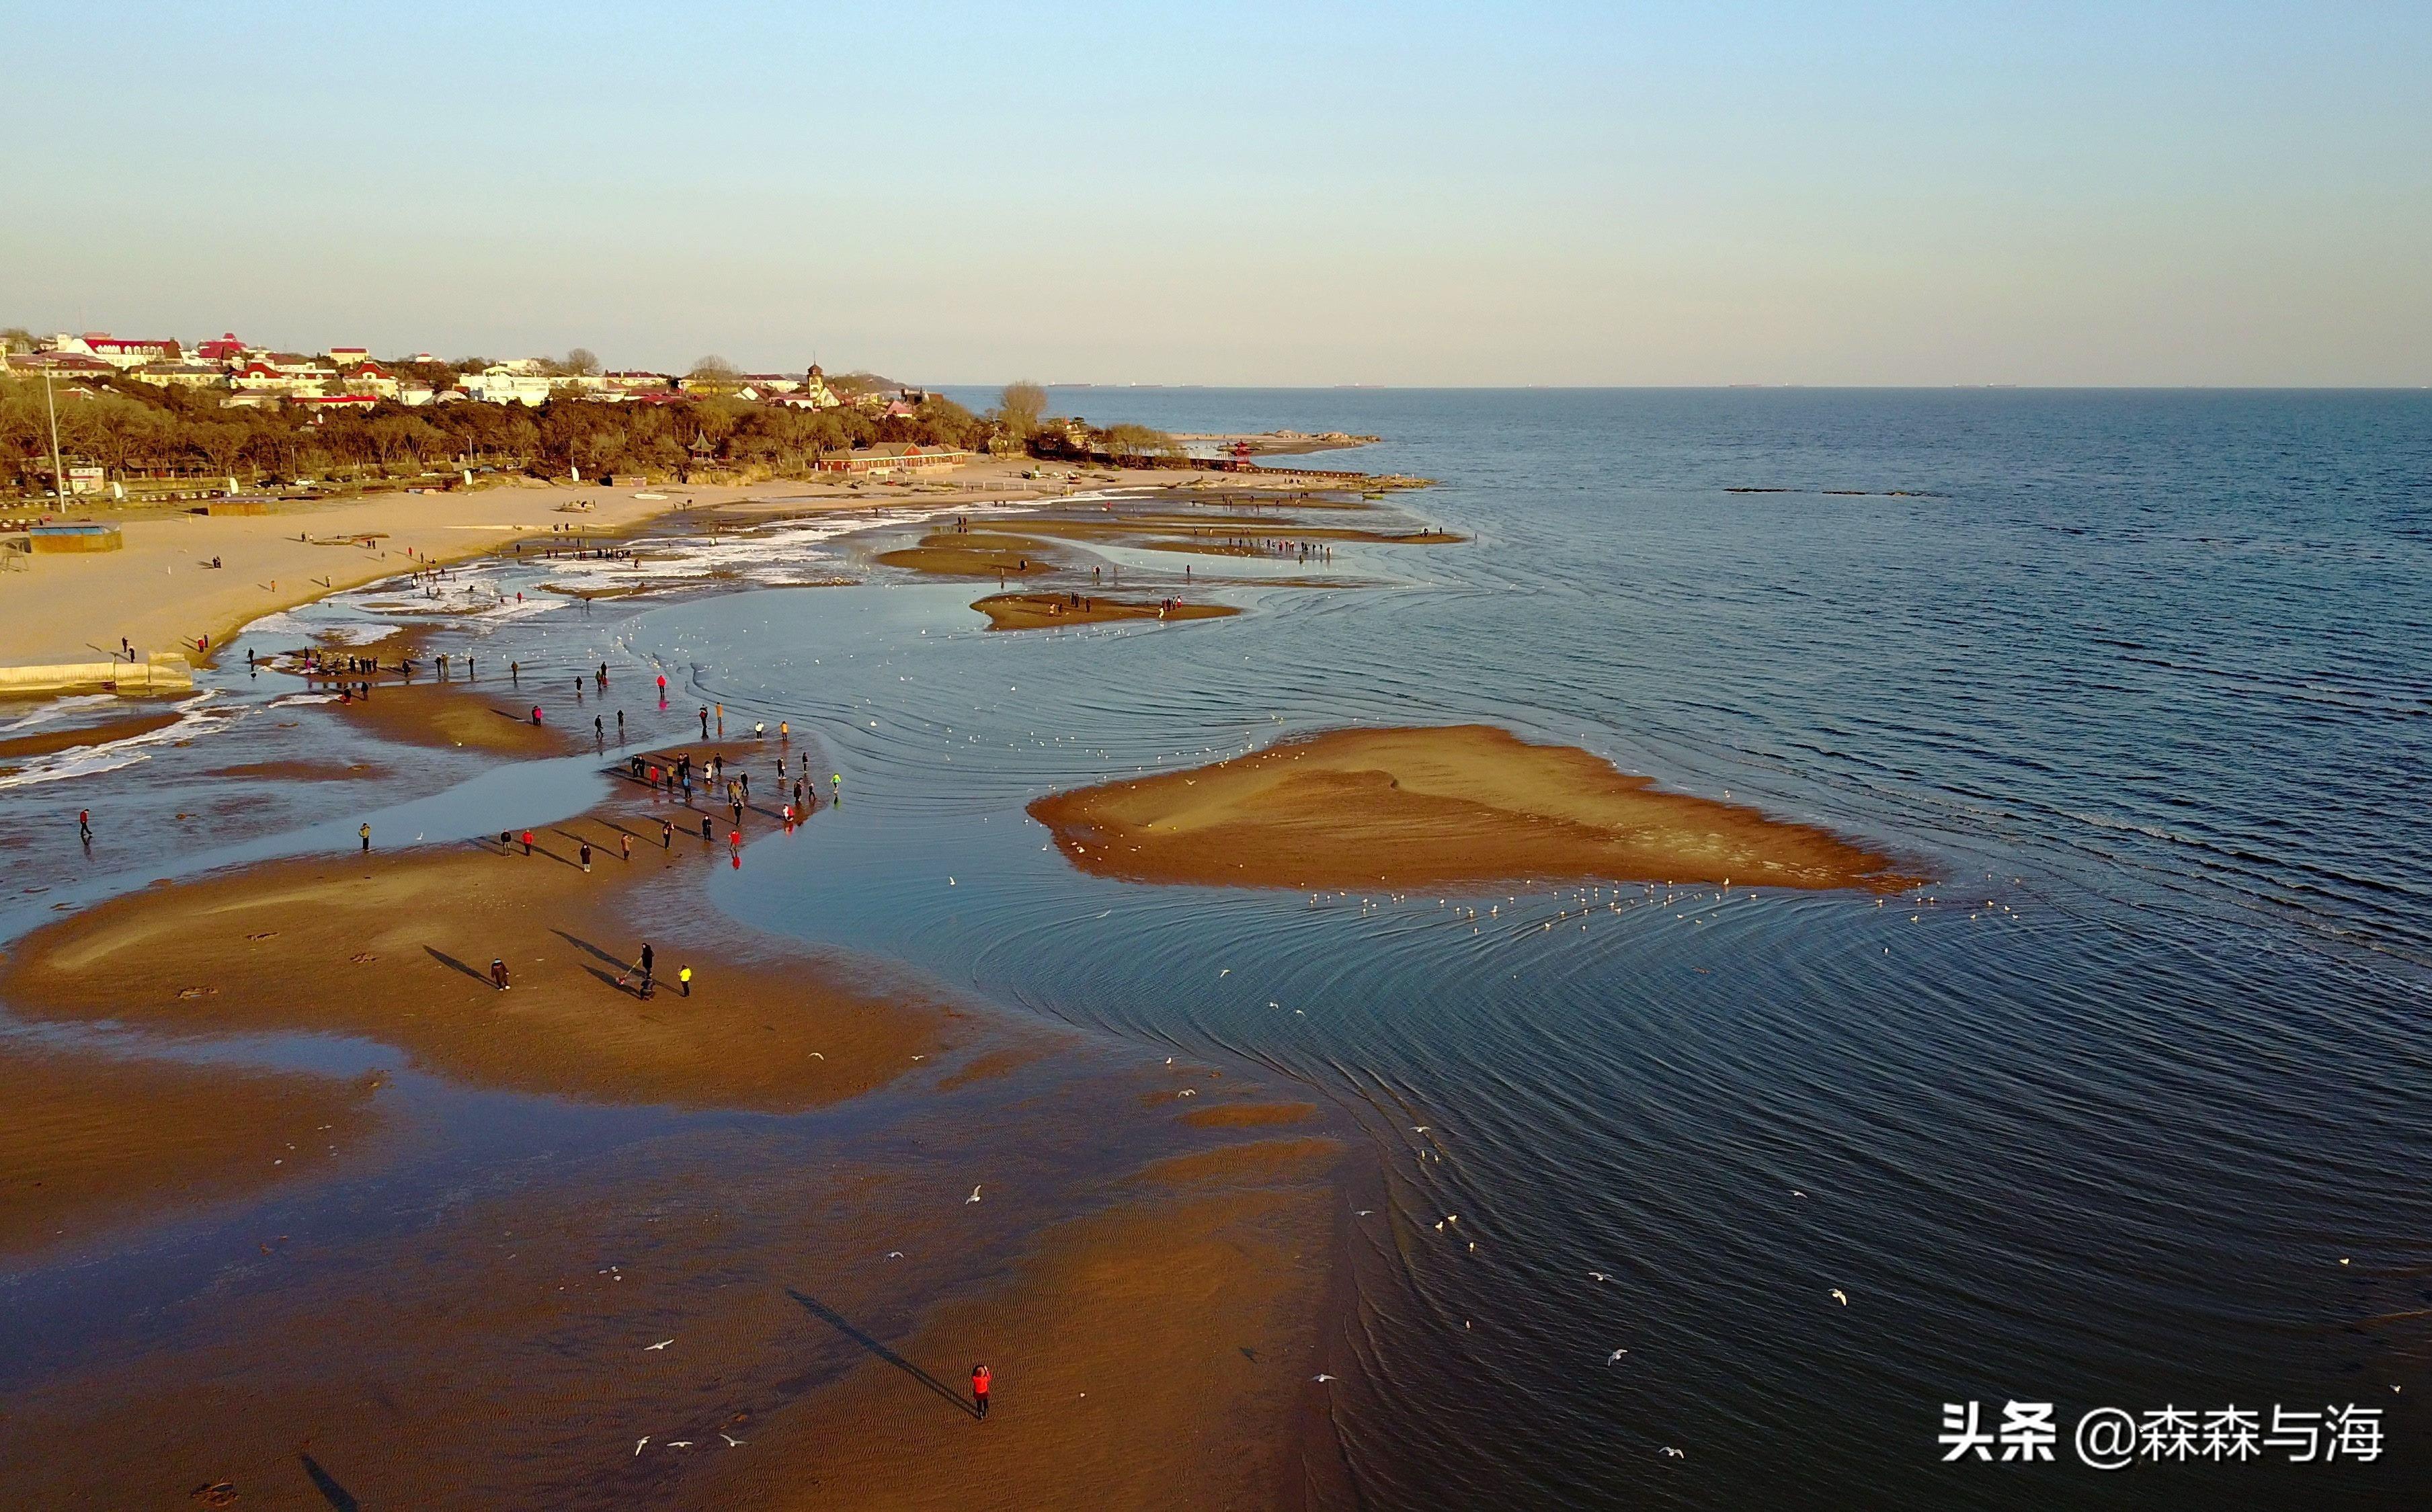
672, 777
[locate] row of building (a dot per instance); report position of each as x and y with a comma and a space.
348, 378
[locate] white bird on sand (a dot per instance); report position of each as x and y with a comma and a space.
1615, 1358
1840, 1296
638, 1444
732, 1443
1674, 1453
973, 1197
660, 1345
1320, 1376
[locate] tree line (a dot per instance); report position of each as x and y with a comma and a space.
133, 429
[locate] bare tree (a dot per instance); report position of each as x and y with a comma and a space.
1022, 404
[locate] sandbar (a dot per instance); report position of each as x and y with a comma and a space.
1436, 807
1019, 611
974, 554
398, 948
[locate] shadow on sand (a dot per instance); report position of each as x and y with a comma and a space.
837, 1321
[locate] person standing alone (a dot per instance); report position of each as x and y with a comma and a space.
979, 1391
366, 832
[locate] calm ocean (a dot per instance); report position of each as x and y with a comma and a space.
2134, 1113
2145, 679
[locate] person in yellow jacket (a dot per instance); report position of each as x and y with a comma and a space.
683, 981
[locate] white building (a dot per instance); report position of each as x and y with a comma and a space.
500, 383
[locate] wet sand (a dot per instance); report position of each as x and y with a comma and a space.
88, 1142
1019, 611
1150, 1356
398, 948
1150, 1327
303, 771
975, 554
1435, 807
493, 714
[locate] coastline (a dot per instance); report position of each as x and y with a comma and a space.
162, 594
1122, 1197
1217, 1216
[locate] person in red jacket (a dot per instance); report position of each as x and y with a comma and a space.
979, 1389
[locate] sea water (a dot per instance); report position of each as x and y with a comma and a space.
2130, 1107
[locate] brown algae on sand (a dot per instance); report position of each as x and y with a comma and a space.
1435, 807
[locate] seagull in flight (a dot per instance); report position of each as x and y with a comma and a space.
1674, 1453
1421, 1128
1615, 1358
638, 1444
817, 1056
1320, 1376
973, 1197
895, 1254
1599, 1277
660, 1345
733, 1442
1364, 1212
1840, 1296
679, 1443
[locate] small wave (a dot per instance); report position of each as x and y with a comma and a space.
58, 708
85, 761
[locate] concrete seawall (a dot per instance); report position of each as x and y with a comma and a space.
162, 672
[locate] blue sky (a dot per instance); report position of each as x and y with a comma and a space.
1245, 193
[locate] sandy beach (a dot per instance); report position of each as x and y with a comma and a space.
1145, 1276
1148, 1276
162, 594
1435, 807
398, 948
